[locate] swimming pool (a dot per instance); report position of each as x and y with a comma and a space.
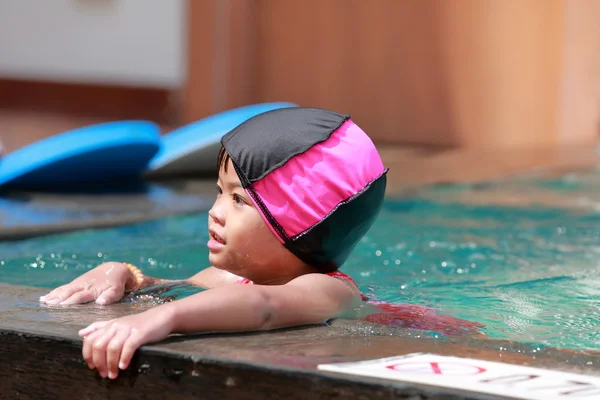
529, 273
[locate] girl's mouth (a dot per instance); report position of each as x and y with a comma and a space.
214, 236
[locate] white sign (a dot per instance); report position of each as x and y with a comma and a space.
486, 377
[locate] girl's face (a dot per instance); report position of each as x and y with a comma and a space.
240, 240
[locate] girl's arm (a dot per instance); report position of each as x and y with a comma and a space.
309, 299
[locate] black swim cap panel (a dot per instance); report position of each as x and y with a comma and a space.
327, 245
267, 141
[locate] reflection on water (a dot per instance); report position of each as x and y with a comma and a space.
520, 256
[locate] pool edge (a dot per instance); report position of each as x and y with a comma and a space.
27, 358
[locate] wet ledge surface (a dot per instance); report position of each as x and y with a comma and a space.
40, 357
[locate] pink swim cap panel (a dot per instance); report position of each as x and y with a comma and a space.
315, 177
311, 185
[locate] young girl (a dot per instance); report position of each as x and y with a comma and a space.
297, 189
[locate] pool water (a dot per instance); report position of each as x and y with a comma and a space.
528, 273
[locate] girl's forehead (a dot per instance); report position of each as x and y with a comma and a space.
228, 176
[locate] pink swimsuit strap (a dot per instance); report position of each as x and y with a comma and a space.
244, 281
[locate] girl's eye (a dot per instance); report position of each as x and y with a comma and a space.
219, 191
237, 199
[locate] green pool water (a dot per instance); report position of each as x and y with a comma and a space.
529, 273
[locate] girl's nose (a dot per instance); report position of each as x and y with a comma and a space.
216, 213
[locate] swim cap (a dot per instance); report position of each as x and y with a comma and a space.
315, 177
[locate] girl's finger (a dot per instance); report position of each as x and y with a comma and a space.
99, 349
62, 293
84, 296
51, 294
86, 351
113, 352
110, 295
131, 345
92, 327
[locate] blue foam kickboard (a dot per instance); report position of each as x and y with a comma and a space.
97, 153
193, 148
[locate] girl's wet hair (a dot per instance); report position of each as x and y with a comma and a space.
222, 159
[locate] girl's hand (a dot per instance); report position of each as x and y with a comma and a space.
110, 345
105, 284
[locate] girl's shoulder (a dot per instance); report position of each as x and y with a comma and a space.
212, 277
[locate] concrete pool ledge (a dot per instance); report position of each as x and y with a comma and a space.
40, 357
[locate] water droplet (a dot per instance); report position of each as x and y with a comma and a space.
473, 265
460, 270
378, 253
402, 287
99, 255
444, 264
385, 262
397, 262
33, 265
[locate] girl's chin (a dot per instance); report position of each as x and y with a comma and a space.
217, 261
214, 260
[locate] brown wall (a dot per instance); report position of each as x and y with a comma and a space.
477, 73
377, 60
